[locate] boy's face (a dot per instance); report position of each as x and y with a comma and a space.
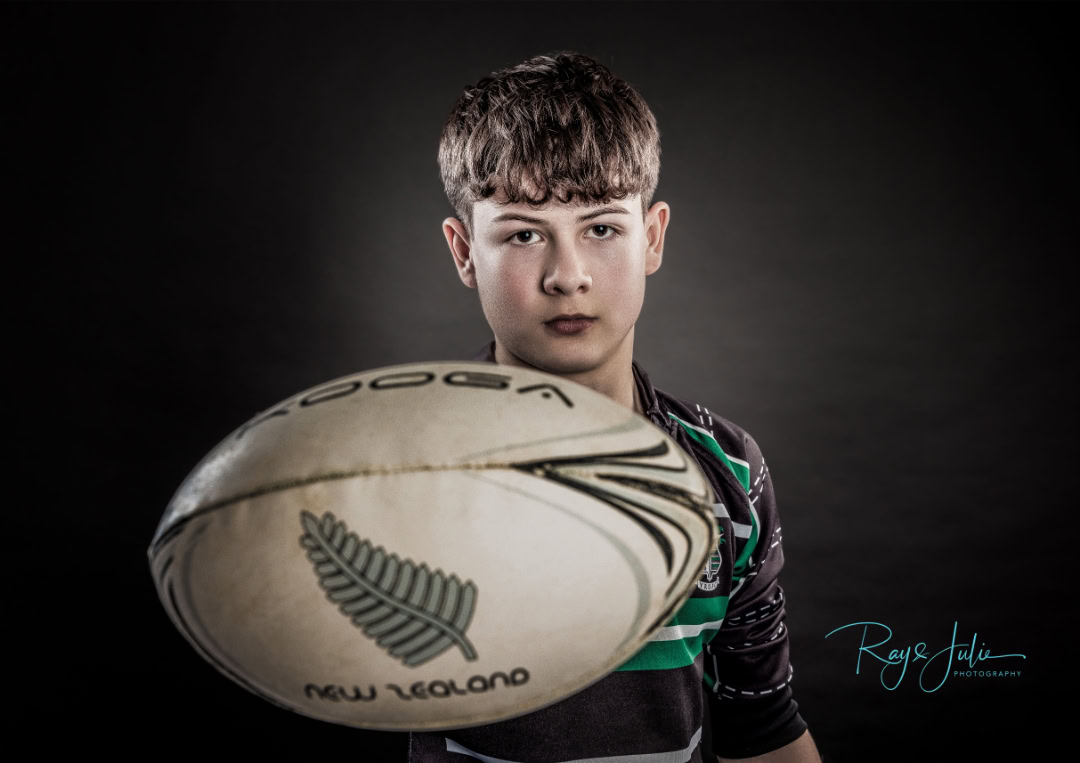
532, 265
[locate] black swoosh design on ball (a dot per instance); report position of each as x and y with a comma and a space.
548, 469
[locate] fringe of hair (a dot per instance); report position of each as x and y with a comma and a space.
557, 125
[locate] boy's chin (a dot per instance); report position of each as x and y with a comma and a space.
564, 363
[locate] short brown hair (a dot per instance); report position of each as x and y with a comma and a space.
559, 123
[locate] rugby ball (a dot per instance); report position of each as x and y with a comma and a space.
432, 546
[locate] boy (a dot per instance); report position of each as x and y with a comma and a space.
551, 166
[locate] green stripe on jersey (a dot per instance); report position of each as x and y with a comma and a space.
738, 467
680, 652
741, 470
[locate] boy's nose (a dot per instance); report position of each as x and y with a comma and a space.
566, 272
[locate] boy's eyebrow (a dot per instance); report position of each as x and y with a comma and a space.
536, 220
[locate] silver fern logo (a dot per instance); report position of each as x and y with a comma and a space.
412, 612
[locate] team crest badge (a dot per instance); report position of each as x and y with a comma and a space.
710, 576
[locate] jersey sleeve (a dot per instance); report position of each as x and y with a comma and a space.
747, 666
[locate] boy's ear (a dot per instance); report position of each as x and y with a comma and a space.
656, 224
458, 241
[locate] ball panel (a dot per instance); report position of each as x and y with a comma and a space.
546, 557
379, 427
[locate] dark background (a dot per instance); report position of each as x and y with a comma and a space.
873, 218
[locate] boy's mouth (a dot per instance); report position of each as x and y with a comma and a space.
570, 324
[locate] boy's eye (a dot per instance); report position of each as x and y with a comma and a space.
604, 231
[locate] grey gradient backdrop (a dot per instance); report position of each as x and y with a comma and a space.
867, 267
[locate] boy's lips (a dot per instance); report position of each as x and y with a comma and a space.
570, 317
570, 324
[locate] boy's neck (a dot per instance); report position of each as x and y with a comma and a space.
614, 379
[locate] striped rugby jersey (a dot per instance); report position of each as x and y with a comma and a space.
727, 646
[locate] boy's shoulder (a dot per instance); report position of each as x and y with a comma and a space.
718, 437
697, 418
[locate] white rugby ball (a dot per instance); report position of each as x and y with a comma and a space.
433, 545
